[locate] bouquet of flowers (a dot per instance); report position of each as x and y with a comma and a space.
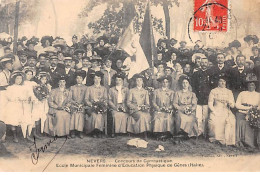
254, 118
121, 109
187, 110
41, 92
76, 107
99, 107
143, 108
167, 110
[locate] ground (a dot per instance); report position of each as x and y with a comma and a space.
117, 147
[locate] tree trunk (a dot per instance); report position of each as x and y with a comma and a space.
16, 24
167, 19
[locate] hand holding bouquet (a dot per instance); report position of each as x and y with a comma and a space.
187, 110
41, 92
99, 107
77, 107
143, 108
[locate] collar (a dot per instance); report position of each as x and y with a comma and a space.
164, 89
139, 88
241, 68
183, 90
97, 86
108, 69
53, 67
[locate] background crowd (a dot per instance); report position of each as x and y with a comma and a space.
62, 90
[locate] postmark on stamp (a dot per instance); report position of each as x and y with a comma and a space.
211, 15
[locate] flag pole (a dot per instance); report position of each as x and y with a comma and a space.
151, 32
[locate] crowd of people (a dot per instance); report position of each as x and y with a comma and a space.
84, 89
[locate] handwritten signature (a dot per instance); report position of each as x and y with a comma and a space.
36, 151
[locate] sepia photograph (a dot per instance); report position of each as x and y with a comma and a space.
129, 86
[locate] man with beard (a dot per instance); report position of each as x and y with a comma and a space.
201, 87
55, 72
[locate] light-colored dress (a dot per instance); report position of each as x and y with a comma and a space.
77, 97
163, 121
186, 122
93, 120
41, 109
58, 120
244, 132
115, 101
140, 121
29, 85
17, 109
222, 123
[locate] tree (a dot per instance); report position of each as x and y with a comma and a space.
166, 4
118, 15
28, 12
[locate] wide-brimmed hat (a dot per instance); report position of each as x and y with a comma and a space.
7, 58
43, 74
59, 42
22, 52
79, 51
235, 44
28, 68
45, 38
251, 37
16, 73
165, 40
33, 41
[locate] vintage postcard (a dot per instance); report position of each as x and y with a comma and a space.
129, 86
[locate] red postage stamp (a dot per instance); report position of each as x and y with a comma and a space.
211, 15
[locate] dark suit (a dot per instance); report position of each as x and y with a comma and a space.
89, 78
55, 75
70, 78
201, 86
237, 80
215, 73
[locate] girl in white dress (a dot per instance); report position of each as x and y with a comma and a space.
222, 122
17, 111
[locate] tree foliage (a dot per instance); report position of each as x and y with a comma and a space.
113, 20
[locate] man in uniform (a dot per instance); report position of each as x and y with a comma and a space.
201, 87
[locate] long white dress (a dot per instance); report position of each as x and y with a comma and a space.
17, 109
222, 122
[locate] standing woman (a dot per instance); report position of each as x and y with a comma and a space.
16, 111
246, 100
41, 107
58, 120
117, 103
222, 122
163, 106
77, 96
185, 102
138, 102
96, 101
